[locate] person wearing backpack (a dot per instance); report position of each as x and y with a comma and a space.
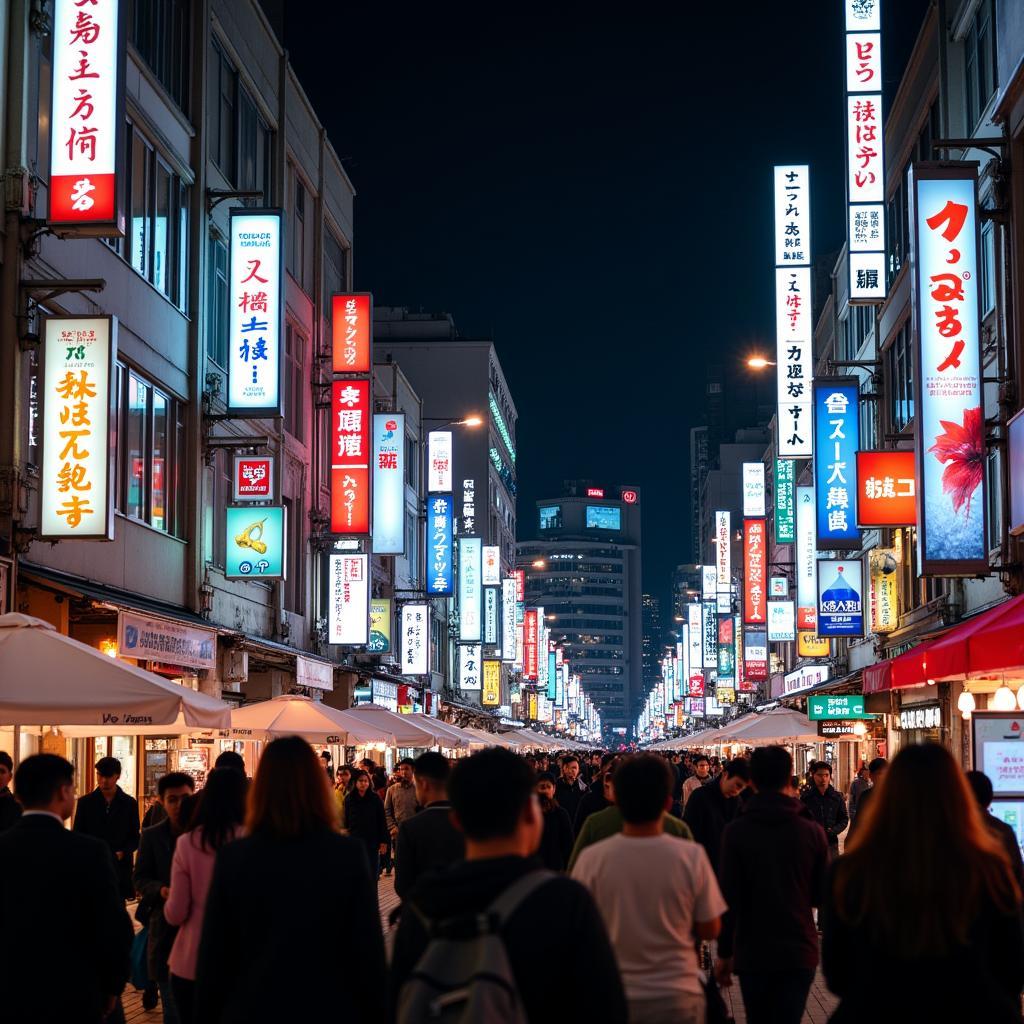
471, 935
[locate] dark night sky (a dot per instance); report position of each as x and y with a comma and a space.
592, 190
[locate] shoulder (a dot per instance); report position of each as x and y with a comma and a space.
126, 800
158, 833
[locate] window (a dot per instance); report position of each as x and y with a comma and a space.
980, 63
294, 383
335, 270
222, 106
901, 379
217, 303
160, 32
994, 485
300, 252
296, 540
988, 268
255, 145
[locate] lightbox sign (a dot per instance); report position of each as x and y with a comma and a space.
253, 478
886, 489
389, 483
755, 653
804, 677
755, 570
950, 420
695, 636
726, 650
781, 624
1015, 448
78, 459
883, 564
348, 582
822, 706
254, 545
350, 456
491, 565
87, 117
439, 545
469, 667
603, 517
753, 489
552, 677
836, 440
806, 578
792, 216
778, 586
470, 595
709, 582
723, 550
415, 639
840, 597
709, 627
492, 604
530, 645
595, 492
508, 619
785, 508
351, 332
491, 696
255, 312
794, 331
810, 646
439, 462
380, 625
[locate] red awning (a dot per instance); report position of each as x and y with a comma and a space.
904, 670
992, 642
878, 677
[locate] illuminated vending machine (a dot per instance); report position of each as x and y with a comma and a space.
998, 750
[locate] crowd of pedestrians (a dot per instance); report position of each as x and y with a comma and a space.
616, 887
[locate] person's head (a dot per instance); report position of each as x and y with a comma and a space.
771, 769
325, 756
877, 769
542, 762
6, 769
46, 782
230, 759
108, 771
821, 775
404, 769
290, 796
546, 786
219, 808
793, 787
596, 759
494, 805
981, 787
344, 776
941, 863
368, 765
702, 766
643, 788
430, 773
570, 768
172, 789
734, 777
531, 760
360, 781
862, 771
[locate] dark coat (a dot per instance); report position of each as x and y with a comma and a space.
152, 872
425, 842
829, 811
570, 797
10, 809
591, 803
265, 895
773, 867
364, 820
707, 813
117, 825
557, 841
66, 933
1008, 837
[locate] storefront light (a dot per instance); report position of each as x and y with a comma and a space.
1020, 697
859, 729
965, 704
109, 648
1004, 699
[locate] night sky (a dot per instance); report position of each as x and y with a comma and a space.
593, 191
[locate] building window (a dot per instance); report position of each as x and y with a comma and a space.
160, 31
223, 466
988, 268
296, 539
300, 252
901, 379
222, 107
294, 383
980, 63
335, 270
217, 303
994, 485
255, 148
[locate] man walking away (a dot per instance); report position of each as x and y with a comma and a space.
108, 813
711, 807
876, 769
596, 798
10, 809
981, 786
827, 805
67, 936
653, 924
494, 805
571, 789
399, 801
428, 840
701, 777
773, 868
860, 785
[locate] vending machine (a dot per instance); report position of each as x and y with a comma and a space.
998, 749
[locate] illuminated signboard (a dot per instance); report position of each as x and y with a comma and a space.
508, 619
595, 492
491, 565
550, 517
380, 625
439, 462
470, 589
886, 489
792, 216
709, 628
755, 653
630, 497
603, 517
492, 604
351, 332
726, 650
695, 636
723, 550
753, 489
810, 646
415, 639
836, 440
530, 643
348, 583
755, 570
709, 582
440, 577
350, 457
469, 667
389, 483
254, 546
785, 502
883, 564
781, 624
840, 597
491, 696
806, 578
253, 478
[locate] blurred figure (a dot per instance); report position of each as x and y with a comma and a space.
827, 805
860, 785
701, 777
342, 788
364, 820
930, 892
596, 799
876, 769
10, 809
400, 801
711, 807
230, 759
981, 787
556, 842
265, 894
570, 788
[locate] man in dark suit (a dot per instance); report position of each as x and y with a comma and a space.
67, 936
10, 809
427, 840
109, 814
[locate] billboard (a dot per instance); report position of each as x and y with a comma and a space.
441, 581
755, 570
886, 489
380, 625
351, 332
840, 597
806, 578
794, 331
753, 489
781, 624
350, 456
883, 575
348, 582
508, 619
603, 517
253, 478
470, 595
388, 483
785, 508
415, 639
439, 462
254, 543
723, 550
836, 440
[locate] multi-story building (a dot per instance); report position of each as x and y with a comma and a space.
651, 642
686, 587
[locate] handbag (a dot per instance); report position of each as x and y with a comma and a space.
715, 1010
139, 959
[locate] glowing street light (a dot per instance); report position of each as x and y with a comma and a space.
759, 362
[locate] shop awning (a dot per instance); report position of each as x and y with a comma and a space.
446, 735
781, 725
292, 715
405, 732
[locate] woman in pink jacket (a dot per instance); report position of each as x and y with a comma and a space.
217, 820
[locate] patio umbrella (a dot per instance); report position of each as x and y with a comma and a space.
446, 735
404, 732
780, 725
48, 679
292, 715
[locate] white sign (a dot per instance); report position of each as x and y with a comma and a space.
863, 15
753, 490
866, 180
153, 639
348, 603
470, 667
317, 675
781, 621
863, 62
795, 367
255, 311
804, 677
792, 216
415, 640
723, 535
696, 637
778, 586
470, 592
709, 582
508, 619
491, 565
491, 609
74, 485
439, 462
388, 483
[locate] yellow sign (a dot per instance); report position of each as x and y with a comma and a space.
531, 706
491, 696
810, 646
885, 613
380, 625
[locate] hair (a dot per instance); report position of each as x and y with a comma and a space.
925, 827
877, 765
219, 808
489, 792
290, 795
981, 787
771, 769
360, 774
819, 766
6, 761
39, 779
433, 767
175, 780
643, 784
545, 777
108, 766
230, 759
570, 759
737, 768
606, 759
701, 757
325, 755
369, 761
407, 760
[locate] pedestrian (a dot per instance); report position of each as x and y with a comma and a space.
494, 805
652, 927
400, 802
929, 891
216, 819
711, 807
557, 840
66, 934
774, 861
701, 777
364, 820
861, 784
427, 840
289, 875
981, 787
10, 809
230, 759
342, 788
155, 812
827, 805
110, 814
570, 788
876, 769
595, 800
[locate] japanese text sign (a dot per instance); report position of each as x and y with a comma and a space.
863, 15
886, 489
508, 619
882, 572
755, 653
810, 646
351, 333
530, 644
753, 489
794, 369
380, 625
780, 621
348, 582
840, 597
491, 696
710, 633
723, 550
785, 514
254, 547
492, 609
388, 482
415, 639
836, 440
806, 580
439, 462
350, 456
792, 216
695, 636
755, 570
491, 565
726, 650
470, 589
440, 576
253, 478
846, 706
142, 636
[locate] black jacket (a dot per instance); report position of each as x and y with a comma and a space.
570, 797
152, 872
707, 813
66, 933
117, 825
426, 842
10, 809
265, 895
557, 841
535, 934
364, 820
829, 811
773, 866
591, 803
1008, 837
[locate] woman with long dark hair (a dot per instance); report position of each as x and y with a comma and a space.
292, 873
364, 819
923, 917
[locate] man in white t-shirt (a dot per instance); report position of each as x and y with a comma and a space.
657, 895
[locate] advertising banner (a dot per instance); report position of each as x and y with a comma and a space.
508, 619
755, 569
785, 501
350, 457
794, 332
755, 653
352, 332
439, 545
710, 633
780, 621
149, 638
380, 625
887, 491
491, 565
726, 650
253, 478
389, 483
806, 558
723, 550
439, 462
470, 667
491, 696
695, 636
883, 564
845, 706
492, 605
840, 597
530, 642
254, 546
348, 582
709, 582
415, 639
836, 440
470, 589
753, 490
810, 646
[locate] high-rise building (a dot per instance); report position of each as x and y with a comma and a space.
686, 585
651, 639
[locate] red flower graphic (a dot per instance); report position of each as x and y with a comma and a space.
962, 448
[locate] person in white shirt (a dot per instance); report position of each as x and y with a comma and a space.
657, 895
701, 777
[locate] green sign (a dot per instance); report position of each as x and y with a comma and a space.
841, 706
785, 514
254, 545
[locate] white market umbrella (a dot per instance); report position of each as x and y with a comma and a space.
780, 725
403, 732
444, 733
492, 739
48, 679
292, 715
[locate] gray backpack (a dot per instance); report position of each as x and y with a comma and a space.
463, 976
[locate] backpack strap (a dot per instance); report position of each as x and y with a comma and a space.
508, 902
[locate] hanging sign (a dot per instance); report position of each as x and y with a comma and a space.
415, 639
350, 457
348, 582
840, 597
887, 491
710, 633
806, 578
785, 509
491, 696
709, 582
380, 625
530, 642
470, 595
695, 636
492, 604
469, 667
780, 621
836, 440
723, 536
439, 462
810, 646
755, 653
755, 569
253, 478
882, 565
508, 619
753, 489
821, 706
778, 586
351, 332
255, 542
491, 572
149, 638
726, 665
389, 483
439, 545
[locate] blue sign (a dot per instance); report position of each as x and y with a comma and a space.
604, 517
552, 692
254, 548
840, 597
836, 440
439, 545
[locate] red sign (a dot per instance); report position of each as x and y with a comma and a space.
630, 497
888, 489
697, 685
755, 571
254, 478
350, 456
530, 644
352, 332
595, 492
519, 575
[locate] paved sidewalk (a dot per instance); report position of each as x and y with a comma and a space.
820, 1003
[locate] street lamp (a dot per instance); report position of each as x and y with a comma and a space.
759, 362
539, 563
